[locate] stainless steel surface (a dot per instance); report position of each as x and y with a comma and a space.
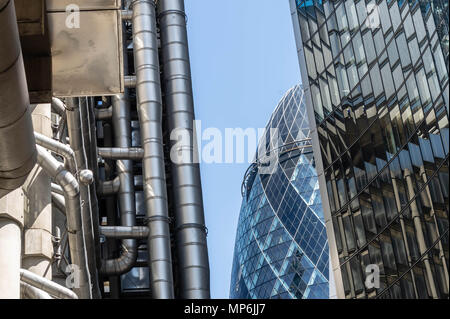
149, 105
121, 153
18, 149
106, 188
130, 81
61, 5
87, 61
86, 177
127, 14
46, 285
93, 166
75, 129
71, 189
29, 292
103, 114
124, 232
58, 107
126, 196
190, 229
59, 202
59, 148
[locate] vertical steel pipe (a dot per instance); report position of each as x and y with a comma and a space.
71, 189
149, 105
190, 229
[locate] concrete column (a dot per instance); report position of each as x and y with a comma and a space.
11, 223
37, 243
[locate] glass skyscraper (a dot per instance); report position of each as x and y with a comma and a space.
376, 84
281, 248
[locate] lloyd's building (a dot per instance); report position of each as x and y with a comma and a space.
375, 75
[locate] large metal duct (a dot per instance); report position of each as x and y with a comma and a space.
75, 129
18, 149
127, 203
190, 230
149, 105
68, 182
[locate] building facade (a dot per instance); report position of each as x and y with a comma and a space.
92, 203
281, 248
376, 89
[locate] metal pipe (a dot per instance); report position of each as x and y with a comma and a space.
59, 107
103, 114
93, 166
190, 229
56, 189
107, 188
46, 285
59, 202
124, 232
71, 189
121, 153
127, 14
59, 148
90, 142
76, 130
149, 105
29, 292
126, 194
130, 81
17, 145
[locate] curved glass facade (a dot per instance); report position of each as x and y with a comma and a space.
281, 248
378, 100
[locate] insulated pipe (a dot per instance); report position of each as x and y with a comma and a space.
121, 153
75, 128
106, 188
46, 285
127, 208
124, 232
71, 189
17, 146
190, 229
59, 148
29, 292
149, 105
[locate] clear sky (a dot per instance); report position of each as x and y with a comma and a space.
243, 60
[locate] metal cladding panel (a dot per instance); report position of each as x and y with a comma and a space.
61, 5
87, 61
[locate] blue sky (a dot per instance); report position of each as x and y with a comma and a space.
243, 60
